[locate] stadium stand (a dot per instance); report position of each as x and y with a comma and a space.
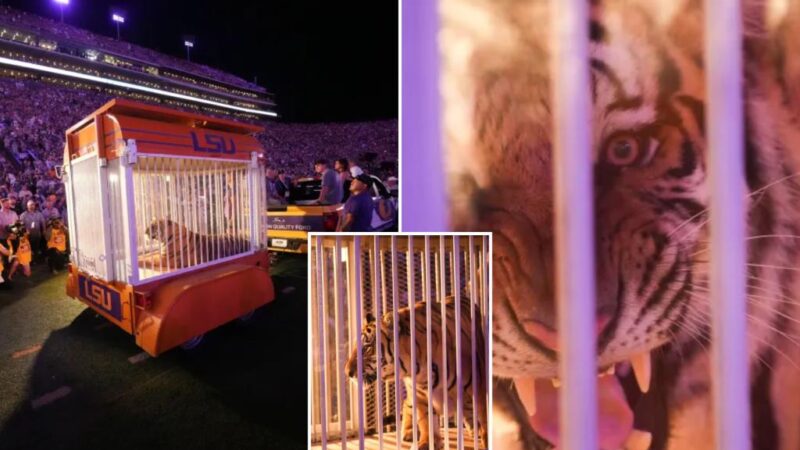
36, 107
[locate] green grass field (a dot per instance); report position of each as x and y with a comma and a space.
243, 388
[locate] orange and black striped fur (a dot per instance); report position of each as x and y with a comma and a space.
182, 248
438, 389
649, 149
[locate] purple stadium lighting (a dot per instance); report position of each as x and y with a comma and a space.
118, 19
61, 5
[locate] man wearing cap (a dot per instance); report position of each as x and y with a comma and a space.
35, 223
7, 217
357, 212
331, 192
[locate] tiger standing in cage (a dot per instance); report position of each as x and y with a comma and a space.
438, 391
649, 148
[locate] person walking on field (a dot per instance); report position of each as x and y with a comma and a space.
357, 213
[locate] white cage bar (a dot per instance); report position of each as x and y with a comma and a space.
574, 224
415, 289
727, 266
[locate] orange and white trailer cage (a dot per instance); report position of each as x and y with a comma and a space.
129, 165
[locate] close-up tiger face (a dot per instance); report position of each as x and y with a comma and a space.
651, 216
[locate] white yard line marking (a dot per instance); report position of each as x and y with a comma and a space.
26, 351
50, 397
136, 359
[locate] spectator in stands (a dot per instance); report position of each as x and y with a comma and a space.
331, 192
357, 212
35, 222
7, 217
50, 211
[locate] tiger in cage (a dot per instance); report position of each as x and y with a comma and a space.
441, 389
181, 247
651, 200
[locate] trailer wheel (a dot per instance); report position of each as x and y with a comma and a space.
193, 342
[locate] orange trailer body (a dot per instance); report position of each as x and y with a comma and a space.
198, 173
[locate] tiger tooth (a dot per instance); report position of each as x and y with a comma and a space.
609, 371
638, 440
556, 382
642, 369
526, 390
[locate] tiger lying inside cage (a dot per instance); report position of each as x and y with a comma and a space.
437, 386
180, 247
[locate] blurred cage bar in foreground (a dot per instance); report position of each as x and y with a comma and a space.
354, 277
574, 185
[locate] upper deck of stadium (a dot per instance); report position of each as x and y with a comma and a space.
32, 46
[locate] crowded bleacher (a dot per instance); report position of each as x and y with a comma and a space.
37, 108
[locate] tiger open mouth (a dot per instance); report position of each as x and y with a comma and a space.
623, 405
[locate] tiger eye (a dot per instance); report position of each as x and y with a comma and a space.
622, 151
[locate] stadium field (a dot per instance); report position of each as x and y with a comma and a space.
70, 380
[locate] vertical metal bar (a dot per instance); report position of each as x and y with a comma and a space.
238, 211
140, 220
396, 337
574, 224
326, 268
443, 304
151, 206
195, 211
411, 291
205, 175
457, 319
129, 216
220, 224
163, 206
177, 176
421, 137
376, 301
725, 122
426, 285
486, 277
385, 301
321, 320
359, 313
473, 298
338, 298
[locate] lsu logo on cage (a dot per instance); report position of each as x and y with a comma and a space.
100, 295
214, 143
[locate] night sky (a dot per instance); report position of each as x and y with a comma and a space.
325, 60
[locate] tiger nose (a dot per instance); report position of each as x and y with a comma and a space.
548, 337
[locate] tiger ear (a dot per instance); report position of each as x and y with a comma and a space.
370, 318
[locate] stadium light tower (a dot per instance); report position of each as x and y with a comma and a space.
61, 5
189, 44
118, 19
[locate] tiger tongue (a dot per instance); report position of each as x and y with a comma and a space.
615, 417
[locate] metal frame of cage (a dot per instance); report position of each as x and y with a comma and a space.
573, 192
220, 199
343, 283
